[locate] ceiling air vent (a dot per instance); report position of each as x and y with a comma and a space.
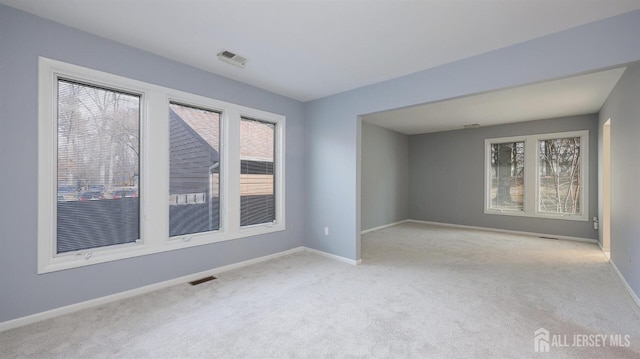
233, 59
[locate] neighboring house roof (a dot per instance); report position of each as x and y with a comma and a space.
257, 146
202, 122
204, 137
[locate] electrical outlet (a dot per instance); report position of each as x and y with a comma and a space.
326, 231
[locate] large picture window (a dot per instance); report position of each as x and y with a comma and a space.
98, 131
127, 168
538, 175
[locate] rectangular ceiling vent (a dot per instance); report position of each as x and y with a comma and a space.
233, 59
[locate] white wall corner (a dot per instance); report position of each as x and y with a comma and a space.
333, 256
384, 226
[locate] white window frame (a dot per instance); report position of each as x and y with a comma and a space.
531, 179
154, 168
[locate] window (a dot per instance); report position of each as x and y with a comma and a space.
538, 175
98, 132
194, 170
257, 182
127, 168
507, 176
559, 180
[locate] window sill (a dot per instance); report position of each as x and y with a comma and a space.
108, 254
581, 218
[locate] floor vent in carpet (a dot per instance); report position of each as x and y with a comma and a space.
203, 280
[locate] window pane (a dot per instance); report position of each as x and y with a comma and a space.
559, 176
507, 176
194, 183
257, 182
98, 153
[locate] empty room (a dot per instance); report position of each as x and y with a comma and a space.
319, 179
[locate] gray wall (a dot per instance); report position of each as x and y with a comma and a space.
23, 38
333, 128
323, 145
385, 176
623, 107
446, 180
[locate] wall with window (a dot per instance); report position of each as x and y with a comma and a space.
385, 176
22, 290
323, 155
333, 126
623, 108
447, 178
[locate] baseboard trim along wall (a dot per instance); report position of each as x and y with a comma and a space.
507, 231
333, 256
633, 294
485, 229
384, 226
19, 322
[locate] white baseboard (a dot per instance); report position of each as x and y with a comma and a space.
507, 231
633, 294
253, 261
606, 253
19, 322
385, 226
333, 256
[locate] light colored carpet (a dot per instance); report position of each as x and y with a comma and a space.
421, 292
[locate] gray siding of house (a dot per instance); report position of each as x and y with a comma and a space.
190, 158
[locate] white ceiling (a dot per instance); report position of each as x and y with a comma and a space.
565, 97
308, 49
